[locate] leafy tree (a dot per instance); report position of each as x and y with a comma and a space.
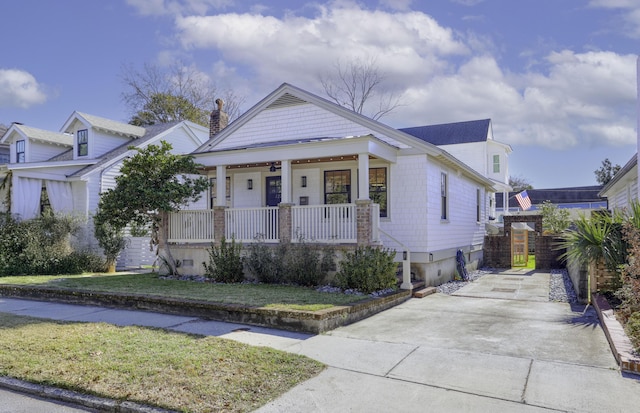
151, 183
358, 86
554, 219
606, 172
179, 92
519, 183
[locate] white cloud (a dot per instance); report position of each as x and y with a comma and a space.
565, 100
19, 89
629, 14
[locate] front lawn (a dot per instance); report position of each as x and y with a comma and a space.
253, 295
176, 371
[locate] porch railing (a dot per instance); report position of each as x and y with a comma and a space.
191, 226
324, 223
320, 223
250, 224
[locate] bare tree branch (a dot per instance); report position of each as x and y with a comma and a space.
358, 83
151, 94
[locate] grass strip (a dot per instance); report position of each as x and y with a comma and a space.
254, 295
171, 370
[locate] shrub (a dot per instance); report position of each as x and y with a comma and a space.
225, 262
554, 219
367, 269
632, 328
307, 265
266, 263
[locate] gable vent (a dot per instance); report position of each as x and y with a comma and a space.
285, 101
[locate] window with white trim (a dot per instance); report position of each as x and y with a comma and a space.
213, 194
496, 164
20, 151
378, 188
444, 202
337, 187
82, 137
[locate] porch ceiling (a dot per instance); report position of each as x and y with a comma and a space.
307, 161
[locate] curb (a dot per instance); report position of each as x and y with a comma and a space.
78, 399
618, 340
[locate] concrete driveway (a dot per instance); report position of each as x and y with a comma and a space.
467, 354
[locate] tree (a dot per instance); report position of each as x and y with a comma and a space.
180, 92
357, 85
519, 183
151, 183
606, 172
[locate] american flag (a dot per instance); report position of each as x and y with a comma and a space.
524, 200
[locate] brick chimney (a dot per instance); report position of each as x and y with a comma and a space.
219, 119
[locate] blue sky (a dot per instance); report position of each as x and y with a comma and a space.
557, 78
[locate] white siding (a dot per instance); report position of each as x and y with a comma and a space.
181, 141
407, 221
40, 151
100, 143
461, 229
297, 122
472, 154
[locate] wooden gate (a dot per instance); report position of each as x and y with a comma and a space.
519, 248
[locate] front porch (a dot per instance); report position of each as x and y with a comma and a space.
334, 223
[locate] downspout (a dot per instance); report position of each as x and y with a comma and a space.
406, 263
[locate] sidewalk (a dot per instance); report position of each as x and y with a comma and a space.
440, 354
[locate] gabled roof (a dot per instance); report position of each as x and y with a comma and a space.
452, 133
105, 124
288, 95
633, 162
151, 132
41, 135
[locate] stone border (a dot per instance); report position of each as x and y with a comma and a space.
618, 340
314, 322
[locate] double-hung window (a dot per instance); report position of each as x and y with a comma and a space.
20, 148
83, 142
496, 164
444, 207
378, 188
337, 187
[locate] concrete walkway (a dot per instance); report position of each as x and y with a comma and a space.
441, 353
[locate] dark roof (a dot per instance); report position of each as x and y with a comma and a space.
572, 195
452, 133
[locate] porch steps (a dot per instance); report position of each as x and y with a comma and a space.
423, 292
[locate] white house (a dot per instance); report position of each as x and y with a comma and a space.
298, 166
74, 166
622, 189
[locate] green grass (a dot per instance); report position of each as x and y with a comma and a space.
254, 295
176, 371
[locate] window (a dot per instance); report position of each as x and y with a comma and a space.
477, 205
20, 145
213, 189
496, 164
337, 187
378, 188
444, 213
83, 142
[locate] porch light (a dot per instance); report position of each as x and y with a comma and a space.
273, 167
430, 257
250, 184
303, 182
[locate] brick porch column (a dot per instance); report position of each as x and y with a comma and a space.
363, 222
284, 222
218, 223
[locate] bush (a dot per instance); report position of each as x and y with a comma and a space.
301, 263
632, 329
41, 246
266, 263
306, 265
225, 262
367, 269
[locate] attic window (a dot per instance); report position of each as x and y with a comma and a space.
496, 164
20, 151
83, 142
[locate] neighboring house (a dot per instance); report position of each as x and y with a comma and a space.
622, 189
74, 166
296, 166
472, 142
579, 200
4, 149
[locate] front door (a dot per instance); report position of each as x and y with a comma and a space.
274, 190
